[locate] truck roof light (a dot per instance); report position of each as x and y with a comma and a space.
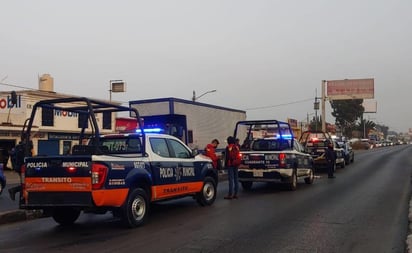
149, 130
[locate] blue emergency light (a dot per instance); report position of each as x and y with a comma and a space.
287, 136
149, 130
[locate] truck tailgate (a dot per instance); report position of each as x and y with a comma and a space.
61, 181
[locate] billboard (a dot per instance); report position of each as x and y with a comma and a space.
350, 89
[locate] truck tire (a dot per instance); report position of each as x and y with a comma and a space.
136, 208
293, 181
310, 178
246, 185
207, 195
65, 216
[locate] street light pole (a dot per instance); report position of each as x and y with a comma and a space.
116, 86
194, 98
316, 107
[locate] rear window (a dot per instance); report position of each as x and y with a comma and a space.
270, 145
121, 145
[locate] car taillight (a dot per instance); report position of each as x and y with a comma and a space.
71, 170
99, 173
282, 160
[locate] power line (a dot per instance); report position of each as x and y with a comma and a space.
16, 86
271, 106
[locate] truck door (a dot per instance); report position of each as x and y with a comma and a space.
163, 166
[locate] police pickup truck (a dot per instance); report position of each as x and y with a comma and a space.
118, 172
271, 154
315, 143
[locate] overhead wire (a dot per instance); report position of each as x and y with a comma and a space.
278, 105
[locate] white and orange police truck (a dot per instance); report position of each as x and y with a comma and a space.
118, 172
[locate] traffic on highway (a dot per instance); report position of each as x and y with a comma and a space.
363, 209
309, 191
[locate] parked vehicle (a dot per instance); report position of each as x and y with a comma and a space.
118, 172
195, 123
270, 153
2, 179
347, 151
315, 143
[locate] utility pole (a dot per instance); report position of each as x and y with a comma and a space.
323, 95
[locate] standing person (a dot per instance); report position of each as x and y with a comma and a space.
330, 159
232, 161
210, 151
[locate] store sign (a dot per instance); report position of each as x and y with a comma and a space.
5, 103
61, 113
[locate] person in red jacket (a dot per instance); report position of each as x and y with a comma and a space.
232, 162
210, 151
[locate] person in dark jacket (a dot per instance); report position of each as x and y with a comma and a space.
330, 156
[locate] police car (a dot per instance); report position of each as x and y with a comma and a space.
315, 143
270, 153
122, 173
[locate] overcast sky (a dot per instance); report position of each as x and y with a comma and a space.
258, 55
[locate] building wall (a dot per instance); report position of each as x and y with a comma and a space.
12, 118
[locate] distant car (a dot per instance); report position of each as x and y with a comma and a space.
365, 143
2, 179
348, 153
340, 155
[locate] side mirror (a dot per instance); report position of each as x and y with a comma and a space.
195, 152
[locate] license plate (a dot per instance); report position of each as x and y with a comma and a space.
258, 173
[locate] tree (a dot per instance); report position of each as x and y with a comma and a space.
384, 129
346, 113
365, 126
316, 123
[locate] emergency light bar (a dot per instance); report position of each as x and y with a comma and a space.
283, 136
150, 130
287, 136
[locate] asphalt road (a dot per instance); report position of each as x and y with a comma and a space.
364, 209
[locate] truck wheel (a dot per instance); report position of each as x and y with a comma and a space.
65, 216
247, 185
207, 195
293, 181
136, 208
310, 178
